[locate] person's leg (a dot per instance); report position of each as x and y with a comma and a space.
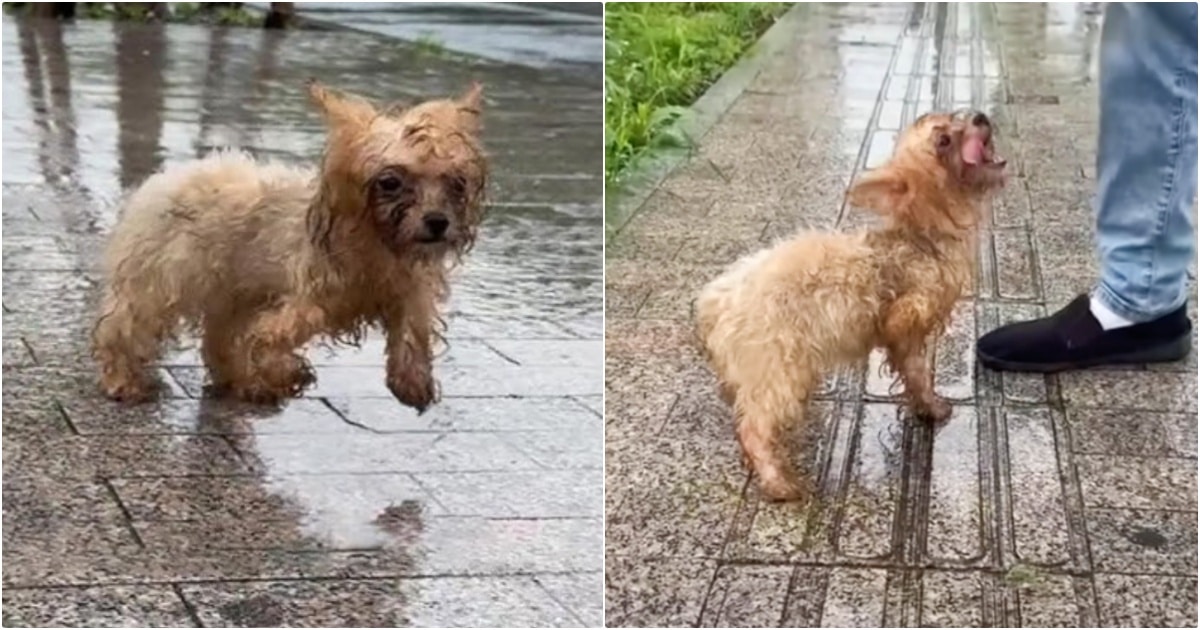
1147, 160
1146, 169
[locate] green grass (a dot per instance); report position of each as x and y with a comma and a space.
659, 58
1022, 576
428, 44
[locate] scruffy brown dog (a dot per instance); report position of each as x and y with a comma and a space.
259, 258
779, 320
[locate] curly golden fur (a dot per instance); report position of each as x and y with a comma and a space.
776, 322
258, 258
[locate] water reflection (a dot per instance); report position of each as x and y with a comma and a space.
48, 77
141, 59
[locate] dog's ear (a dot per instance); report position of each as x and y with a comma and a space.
472, 99
883, 190
340, 110
470, 106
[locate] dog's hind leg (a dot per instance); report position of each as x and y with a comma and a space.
127, 339
219, 347
765, 411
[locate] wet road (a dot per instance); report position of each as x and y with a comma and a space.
1045, 501
344, 507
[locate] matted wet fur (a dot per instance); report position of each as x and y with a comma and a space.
778, 321
259, 258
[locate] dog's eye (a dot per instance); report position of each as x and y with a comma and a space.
389, 183
458, 188
943, 141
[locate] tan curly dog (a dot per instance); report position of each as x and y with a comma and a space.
258, 258
779, 320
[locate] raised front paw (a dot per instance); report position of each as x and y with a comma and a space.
274, 379
414, 387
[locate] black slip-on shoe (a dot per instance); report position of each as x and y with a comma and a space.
1072, 339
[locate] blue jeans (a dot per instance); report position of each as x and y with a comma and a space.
1146, 165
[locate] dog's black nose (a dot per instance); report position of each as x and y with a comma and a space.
436, 224
981, 120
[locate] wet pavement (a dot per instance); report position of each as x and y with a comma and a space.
529, 34
1046, 501
344, 507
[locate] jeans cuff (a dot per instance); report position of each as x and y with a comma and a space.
1121, 307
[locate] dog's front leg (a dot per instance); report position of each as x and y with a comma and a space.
911, 360
410, 356
270, 369
906, 328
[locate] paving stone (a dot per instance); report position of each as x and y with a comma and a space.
952, 600
1130, 389
642, 593
747, 596
854, 598
954, 364
1109, 481
477, 602
1014, 264
534, 494
1132, 432
365, 603
38, 499
1142, 541
872, 493
109, 606
1146, 601
78, 457
1055, 601
578, 593
1039, 518
367, 453
509, 545
676, 475
385, 415
206, 416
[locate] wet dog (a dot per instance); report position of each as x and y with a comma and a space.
779, 320
258, 258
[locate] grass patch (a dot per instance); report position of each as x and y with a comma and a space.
659, 58
428, 44
1022, 576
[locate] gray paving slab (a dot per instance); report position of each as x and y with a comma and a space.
343, 506
1061, 501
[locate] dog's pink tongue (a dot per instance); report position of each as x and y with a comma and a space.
972, 150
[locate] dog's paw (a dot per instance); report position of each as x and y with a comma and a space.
785, 488
126, 391
255, 394
937, 410
415, 389
274, 380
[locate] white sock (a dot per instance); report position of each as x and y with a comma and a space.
1107, 318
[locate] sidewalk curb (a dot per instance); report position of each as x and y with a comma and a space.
622, 203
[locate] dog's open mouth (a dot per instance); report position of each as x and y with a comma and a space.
977, 151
